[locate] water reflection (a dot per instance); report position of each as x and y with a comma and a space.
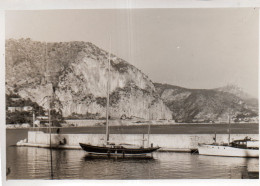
224, 167
34, 163
119, 169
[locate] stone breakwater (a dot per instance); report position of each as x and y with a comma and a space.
167, 142
87, 123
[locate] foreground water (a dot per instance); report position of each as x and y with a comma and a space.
34, 163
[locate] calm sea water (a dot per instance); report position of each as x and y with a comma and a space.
34, 163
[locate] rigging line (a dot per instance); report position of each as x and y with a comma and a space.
50, 123
108, 91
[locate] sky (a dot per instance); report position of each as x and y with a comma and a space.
192, 48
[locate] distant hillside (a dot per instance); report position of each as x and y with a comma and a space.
78, 73
199, 105
250, 101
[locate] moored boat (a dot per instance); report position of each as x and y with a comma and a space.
118, 150
237, 148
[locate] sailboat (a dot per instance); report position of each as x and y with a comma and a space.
110, 149
238, 148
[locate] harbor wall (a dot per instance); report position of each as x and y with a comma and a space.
138, 122
167, 142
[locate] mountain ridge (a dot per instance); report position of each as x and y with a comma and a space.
78, 72
199, 105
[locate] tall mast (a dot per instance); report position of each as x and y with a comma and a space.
229, 128
149, 127
149, 131
49, 110
108, 90
33, 119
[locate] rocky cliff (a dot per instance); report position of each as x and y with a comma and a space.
77, 73
208, 105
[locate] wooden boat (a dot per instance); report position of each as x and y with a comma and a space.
237, 148
118, 151
110, 149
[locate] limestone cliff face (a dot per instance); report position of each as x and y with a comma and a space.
78, 73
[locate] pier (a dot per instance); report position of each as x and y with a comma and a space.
167, 142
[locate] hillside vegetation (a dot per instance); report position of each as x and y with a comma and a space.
208, 105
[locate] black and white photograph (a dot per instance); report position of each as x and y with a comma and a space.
131, 94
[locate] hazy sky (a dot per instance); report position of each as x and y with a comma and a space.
193, 48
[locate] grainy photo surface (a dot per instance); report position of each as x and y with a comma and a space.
128, 94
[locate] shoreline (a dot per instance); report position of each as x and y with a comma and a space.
123, 123
248, 128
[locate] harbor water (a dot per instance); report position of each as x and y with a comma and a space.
35, 163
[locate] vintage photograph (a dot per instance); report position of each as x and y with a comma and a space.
132, 94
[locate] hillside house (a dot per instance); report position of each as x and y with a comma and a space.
14, 109
25, 108
42, 117
16, 99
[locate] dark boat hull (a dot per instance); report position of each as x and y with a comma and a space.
117, 151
